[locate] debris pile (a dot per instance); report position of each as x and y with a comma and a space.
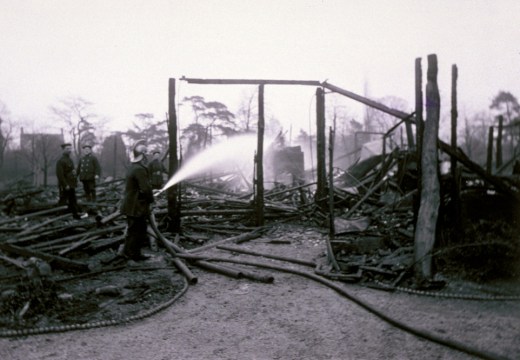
46, 255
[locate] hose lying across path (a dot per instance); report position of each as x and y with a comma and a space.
190, 278
425, 334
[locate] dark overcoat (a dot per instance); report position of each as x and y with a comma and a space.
138, 192
65, 172
88, 168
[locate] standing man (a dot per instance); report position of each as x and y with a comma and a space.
67, 180
156, 169
136, 203
88, 172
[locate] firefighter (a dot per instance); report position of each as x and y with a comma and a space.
137, 201
67, 182
88, 172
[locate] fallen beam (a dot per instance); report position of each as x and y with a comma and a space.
37, 213
269, 256
477, 169
59, 261
237, 239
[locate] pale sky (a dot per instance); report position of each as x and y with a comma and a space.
119, 54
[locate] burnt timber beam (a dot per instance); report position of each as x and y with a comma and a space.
321, 172
498, 184
250, 82
56, 261
259, 159
374, 104
325, 84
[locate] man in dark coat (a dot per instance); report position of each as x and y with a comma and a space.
136, 203
156, 169
67, 180
88, 172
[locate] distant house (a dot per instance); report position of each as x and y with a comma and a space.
41, 151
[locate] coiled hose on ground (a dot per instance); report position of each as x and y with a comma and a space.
95, 324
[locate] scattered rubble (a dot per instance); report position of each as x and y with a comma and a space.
55, 270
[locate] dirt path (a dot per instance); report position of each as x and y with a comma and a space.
293, 318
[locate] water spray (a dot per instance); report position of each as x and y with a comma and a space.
234, 150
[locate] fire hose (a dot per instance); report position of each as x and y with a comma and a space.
95, 324
422, 333
178, 253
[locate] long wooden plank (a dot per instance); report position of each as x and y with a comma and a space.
59, 261
250, 81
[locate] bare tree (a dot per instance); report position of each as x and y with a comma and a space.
41, 152
382, 122
113, 157
77, 115
212, 119
273, 126
506, 104
346, 127
247, 114
474, 136
6, 130
153, 130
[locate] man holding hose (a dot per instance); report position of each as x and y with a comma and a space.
136, 203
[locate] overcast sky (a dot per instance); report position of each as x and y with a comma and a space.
119, 54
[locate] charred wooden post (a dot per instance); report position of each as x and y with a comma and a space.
321, 190
114, 159
499, 141
455, 174
454, 115
419, 130
489, 162
409, 135
173, 205
259, 203
425, 231
332, 230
